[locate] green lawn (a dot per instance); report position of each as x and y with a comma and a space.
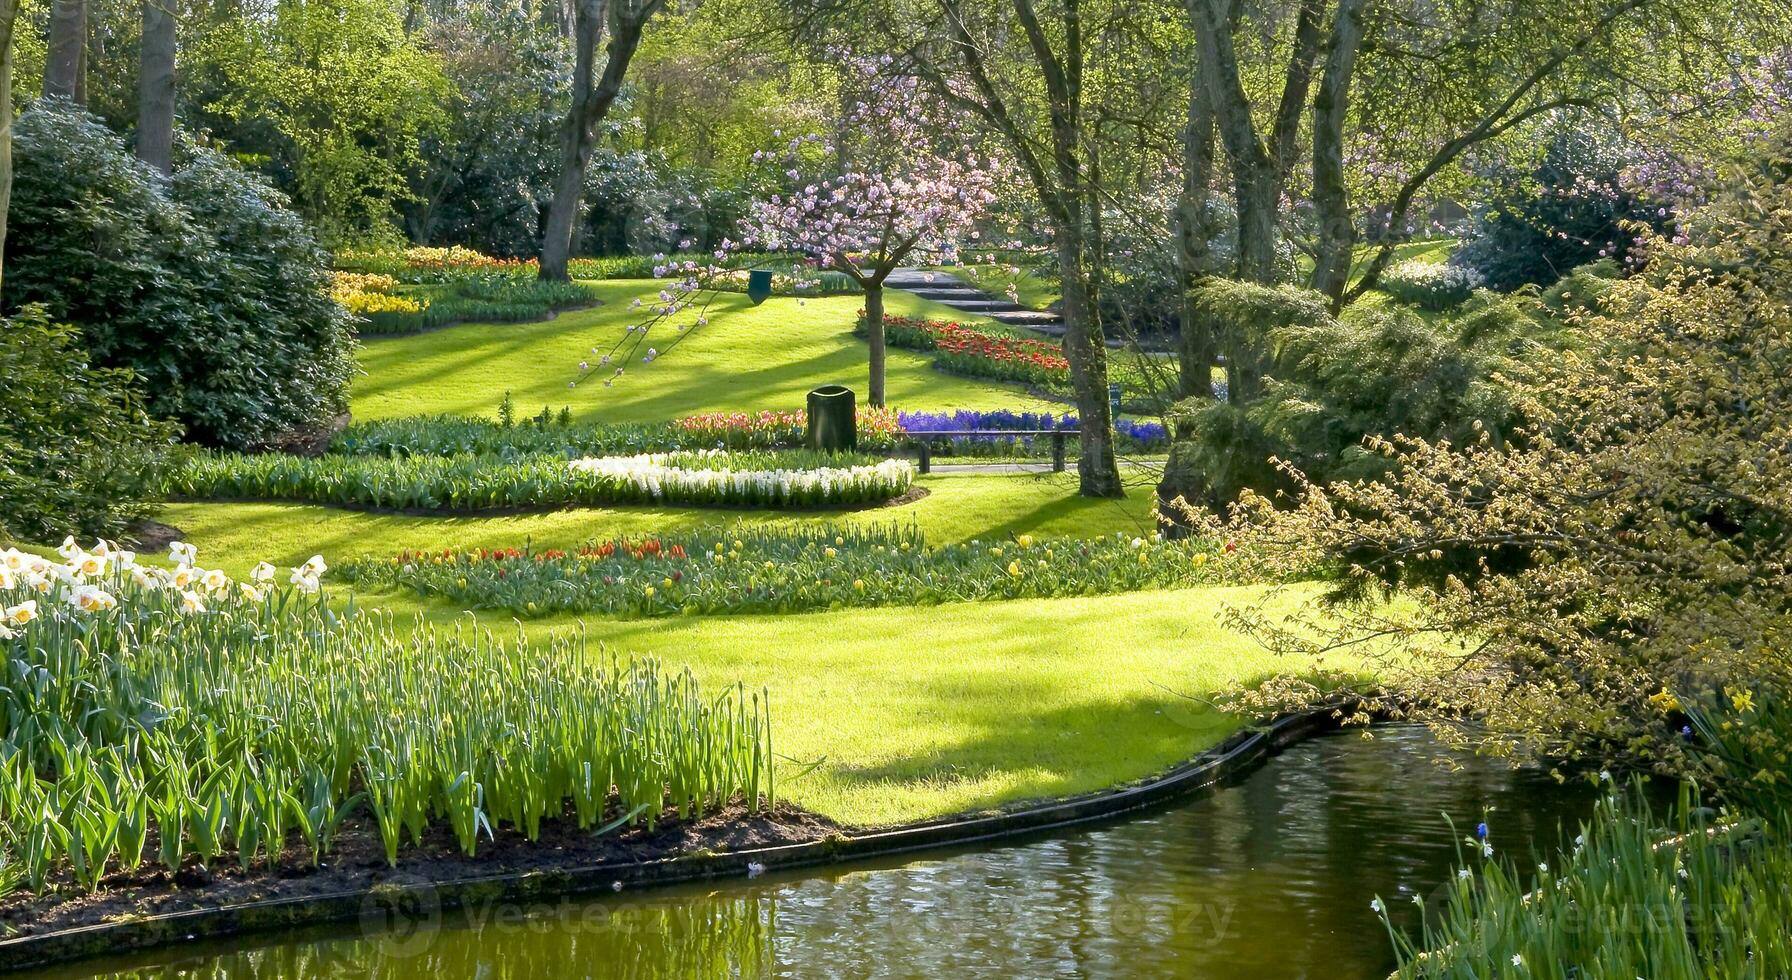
747, 358
910, 712
917, 712
921, 712
957, 508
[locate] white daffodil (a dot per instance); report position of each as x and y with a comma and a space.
41, 583
182, 553
13, 560
190, 602
250, 592
7, 633
20, 614
90, 564
262, 572
184, 576
303, 582
89, 598
101, 547
68, 548
214, 580
37, 564
125, 559
314, 566
142, 579
7, 578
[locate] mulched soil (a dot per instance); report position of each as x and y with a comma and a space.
358, 863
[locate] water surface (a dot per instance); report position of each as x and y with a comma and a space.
1270, 878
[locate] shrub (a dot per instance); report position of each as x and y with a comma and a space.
176, 710
789, 569
1543, 216
1583, 590
473, 483
1333, 383
206, 286
1430, 285
78, 453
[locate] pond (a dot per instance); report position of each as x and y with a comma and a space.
1271, 878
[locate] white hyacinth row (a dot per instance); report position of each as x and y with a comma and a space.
654, 477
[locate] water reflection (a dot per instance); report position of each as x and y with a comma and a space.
1271, 878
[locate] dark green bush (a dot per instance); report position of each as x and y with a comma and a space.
1540, 218
206, 286
78, 453
1332, 383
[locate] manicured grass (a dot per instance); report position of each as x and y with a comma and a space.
1035, 291
920, 712
747, 358
957, 508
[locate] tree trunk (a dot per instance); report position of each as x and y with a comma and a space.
1331, 198
1084, 347
155, 87
1197, 350
874, 335
67, 50
591, 101
9, 16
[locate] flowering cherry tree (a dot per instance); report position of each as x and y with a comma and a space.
899, 180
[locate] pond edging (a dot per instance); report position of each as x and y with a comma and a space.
1206, 772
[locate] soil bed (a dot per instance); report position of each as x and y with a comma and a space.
358, 863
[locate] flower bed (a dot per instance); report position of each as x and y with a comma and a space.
1132, 435
466, 482
713, 478
789, 570
878, 429
176, 714
978, 352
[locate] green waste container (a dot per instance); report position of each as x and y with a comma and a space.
833, 418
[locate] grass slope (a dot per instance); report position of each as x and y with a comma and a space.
957, 508
747, 358
915, 713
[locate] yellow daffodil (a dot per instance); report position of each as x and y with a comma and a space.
830, 553
1025, 541
1665, 700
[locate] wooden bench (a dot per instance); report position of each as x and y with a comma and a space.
924, 451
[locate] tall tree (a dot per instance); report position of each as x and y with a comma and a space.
592, 96
67, 58
900, 179
994, 55
155, 86
9, 17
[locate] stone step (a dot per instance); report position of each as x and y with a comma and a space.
1027, 318
949, 293
989, 306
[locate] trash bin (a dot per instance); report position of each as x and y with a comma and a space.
833, 418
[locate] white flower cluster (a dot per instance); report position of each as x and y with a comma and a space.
652, 476
87, 580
